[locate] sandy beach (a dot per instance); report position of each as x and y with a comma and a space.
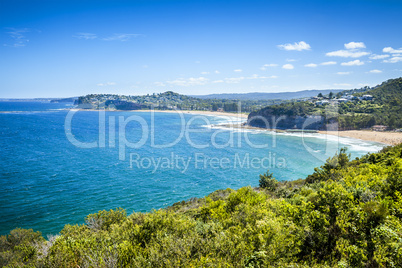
390, 138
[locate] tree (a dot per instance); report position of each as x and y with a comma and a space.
392, 122
320, 95
331, 95
268, 182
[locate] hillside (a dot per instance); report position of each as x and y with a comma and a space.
167, 101
351, 110
268, 96
346, 214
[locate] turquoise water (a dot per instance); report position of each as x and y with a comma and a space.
48, 181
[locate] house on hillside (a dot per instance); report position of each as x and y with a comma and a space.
341, 100
366, 97
351, 97
379, 128
323, 102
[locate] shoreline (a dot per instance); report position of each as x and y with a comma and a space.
385, 137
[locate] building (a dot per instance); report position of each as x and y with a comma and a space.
351, 97
379, 128
342, 100
367, 97
323, 102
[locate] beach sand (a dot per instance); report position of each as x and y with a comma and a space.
390, 138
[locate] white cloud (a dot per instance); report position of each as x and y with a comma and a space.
86, 36
115, 37
18, 37
296, 46
391, 50
256, 76
291, 60
355, 45
106, 84
264, 67
343, 73
120, 37
378, 57
393, 60
234, 80
204, 72
238, 70
352, 63
217, 72
347, 54
375, 71
159, 84
342, 85
312, 65
329, 63
217, 81
192, 81
365, 85
288, 66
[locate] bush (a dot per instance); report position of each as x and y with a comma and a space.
267, 181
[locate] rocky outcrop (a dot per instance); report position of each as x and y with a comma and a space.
264, 119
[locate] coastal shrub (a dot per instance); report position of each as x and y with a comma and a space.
267, 181
104, 219
19, 248
331, 167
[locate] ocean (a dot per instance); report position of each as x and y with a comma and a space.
59, 165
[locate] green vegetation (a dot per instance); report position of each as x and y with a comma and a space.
348, 213
268, 96
168, 101
384, 109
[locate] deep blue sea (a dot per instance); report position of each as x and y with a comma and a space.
57, 165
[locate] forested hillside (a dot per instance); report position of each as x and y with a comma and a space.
267, 96
348, 213
384, 109
169, 101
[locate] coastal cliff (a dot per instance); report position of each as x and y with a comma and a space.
263, 119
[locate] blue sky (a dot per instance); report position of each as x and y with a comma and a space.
71, 48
